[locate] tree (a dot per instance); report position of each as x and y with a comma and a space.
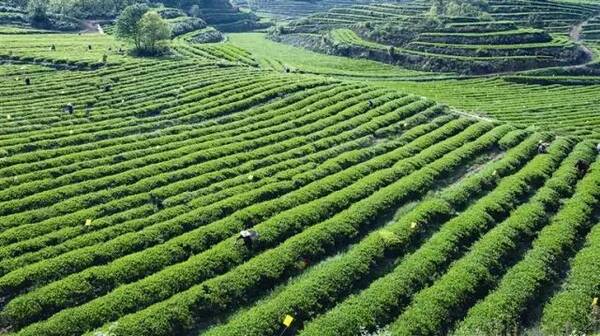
438, 7
458, 8
153, 30
535, 20
128, 23
37, 12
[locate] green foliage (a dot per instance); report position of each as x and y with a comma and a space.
573, 309
186, 24
535, 20
328, 283
513, 138
388, 295
400, 33
128, 24
501, 309
89, 8
435, 308
372, 205
112, 8
202, 301
152, 33
38, 13
208, 35
458, 8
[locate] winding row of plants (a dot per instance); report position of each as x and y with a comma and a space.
202, 238
322, 287
518, 289
386, 296
202, 301
436, 307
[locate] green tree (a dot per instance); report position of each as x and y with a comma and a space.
535, 20
457, 8
37, 11
438, 7
128, 24
153, 32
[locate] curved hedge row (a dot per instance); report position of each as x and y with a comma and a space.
210, 262
438, 306
386, 296
572, 309
502, 308
218, 294
353, 119
201, 238
319, 289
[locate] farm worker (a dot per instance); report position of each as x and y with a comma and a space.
542, 147
248, 236
89, 47
69, 108
27, 81
156, 201
53, 47
303, 263
370, 104
582, 167
88, 109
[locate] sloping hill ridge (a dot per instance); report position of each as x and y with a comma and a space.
287, 9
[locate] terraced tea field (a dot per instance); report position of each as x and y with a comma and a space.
123, 215
126, 184
502, 40
545, 105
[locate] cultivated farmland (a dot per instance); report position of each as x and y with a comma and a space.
381, 199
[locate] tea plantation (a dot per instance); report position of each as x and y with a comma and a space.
242, 184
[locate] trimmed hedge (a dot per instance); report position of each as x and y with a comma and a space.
177, 314
571, 310
381, 302
227, 254
322, 287
522, 284
436, 308
134, 266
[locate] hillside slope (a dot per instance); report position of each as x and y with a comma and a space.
124, 189
501, 36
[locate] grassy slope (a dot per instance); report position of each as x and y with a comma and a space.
71, 47
268, 51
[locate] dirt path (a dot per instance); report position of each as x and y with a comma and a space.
575, 33
575, 36
471, 115
91, 27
